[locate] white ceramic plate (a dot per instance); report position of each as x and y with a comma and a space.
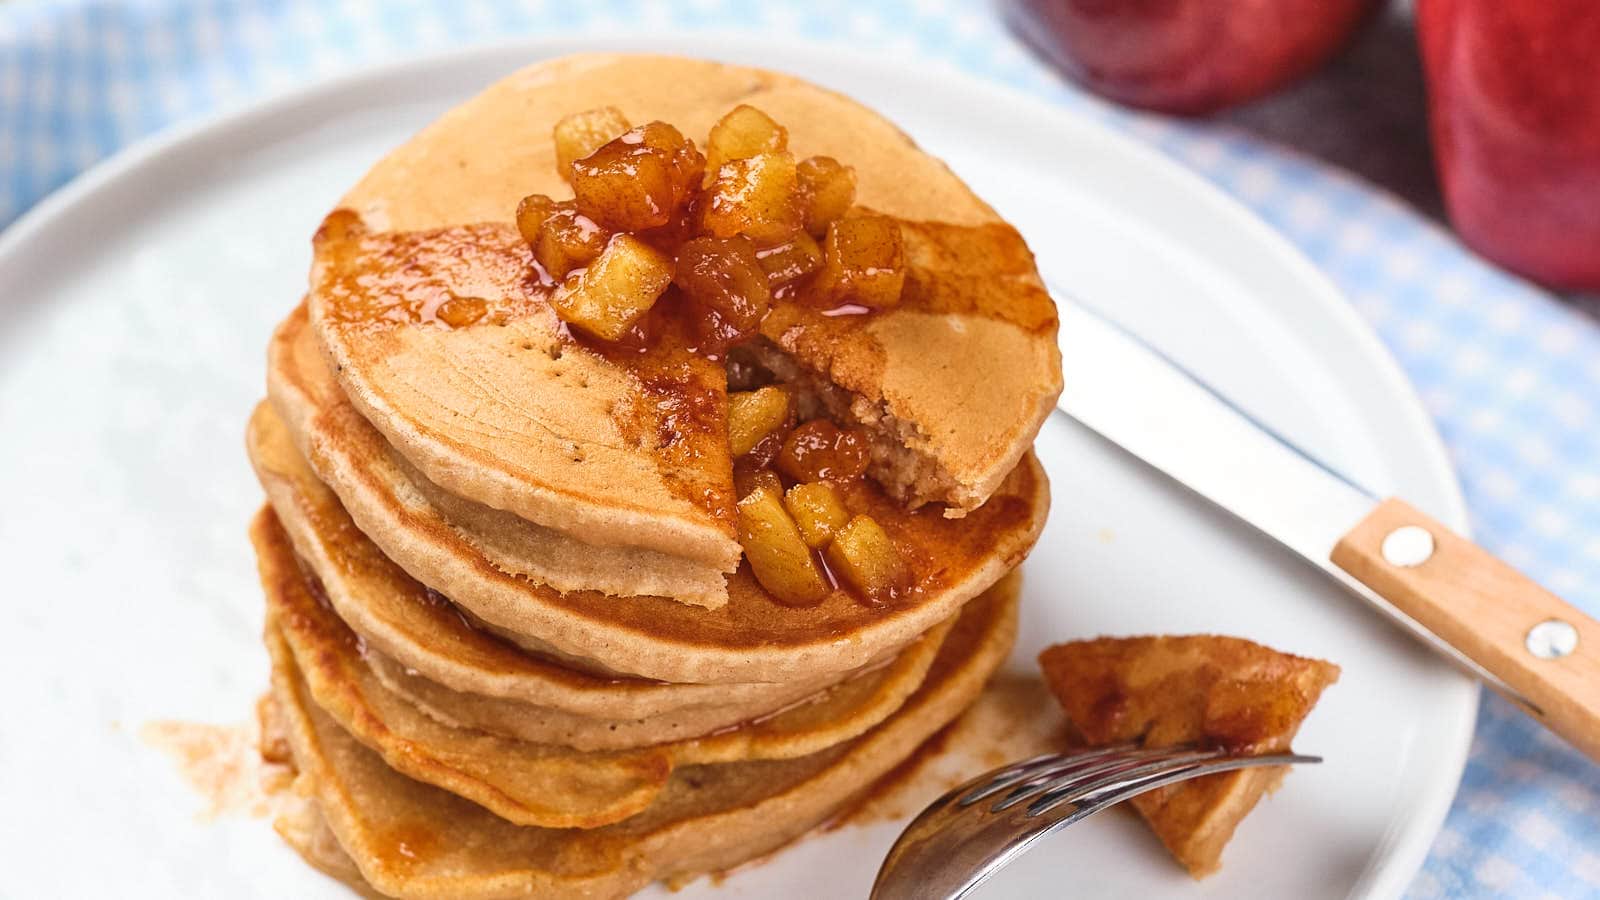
136, 305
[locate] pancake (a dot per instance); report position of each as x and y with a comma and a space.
516, 415
330, 432
301, 825
625, 449
751, 639
541, 724
402, 621
411, 839
1205, 689
542, 784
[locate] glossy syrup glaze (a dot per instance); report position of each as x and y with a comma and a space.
484, 276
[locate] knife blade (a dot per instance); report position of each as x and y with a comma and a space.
1524, 642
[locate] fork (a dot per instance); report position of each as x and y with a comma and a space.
974, 830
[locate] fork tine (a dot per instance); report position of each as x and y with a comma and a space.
1152, 780
950, 848
1088, 784
1094, 769
991, 783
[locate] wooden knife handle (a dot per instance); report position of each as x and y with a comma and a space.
1537, 643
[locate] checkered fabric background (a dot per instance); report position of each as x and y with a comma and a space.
1511, 377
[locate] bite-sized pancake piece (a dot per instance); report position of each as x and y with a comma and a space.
345, 447
959, 376
414, 840
1218, 691
543, 784
752, 638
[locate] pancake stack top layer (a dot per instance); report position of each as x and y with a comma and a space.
516, 646
963, 371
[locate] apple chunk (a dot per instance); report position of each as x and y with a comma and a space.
778, 556
752, 415
562, 238
616, 290
742, 133
827, 189
582, 133
639, 180
817, 511
865, 558
725, 280
790, 261
757, 197
863, 262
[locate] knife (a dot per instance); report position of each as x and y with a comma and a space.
1525, 642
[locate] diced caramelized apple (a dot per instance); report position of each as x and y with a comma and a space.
862, 555
737, 235
747, 479
791, 260
565, 239
531, 215
581, 134
817, 511
778, 556
827, 189
752, 415
639, 180
724, 277
459, 312
757, 197
766, 450
616, 290
863, 262
744, 132
822, 451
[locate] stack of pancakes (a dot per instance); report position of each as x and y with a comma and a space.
514, 648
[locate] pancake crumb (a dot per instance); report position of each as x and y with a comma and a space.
224, 765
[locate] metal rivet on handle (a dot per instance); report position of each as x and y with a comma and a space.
1552, 639
1407, 546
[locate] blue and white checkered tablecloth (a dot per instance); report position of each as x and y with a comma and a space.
1511, 376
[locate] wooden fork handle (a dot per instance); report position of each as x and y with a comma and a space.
1538, 644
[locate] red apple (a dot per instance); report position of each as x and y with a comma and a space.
1514, 108
1188, 56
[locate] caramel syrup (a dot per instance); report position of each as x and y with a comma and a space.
483, 275
456, 277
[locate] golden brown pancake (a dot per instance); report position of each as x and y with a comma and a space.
329, 431
625, 450
751, 639
541, 784
1206, 689
544, 725
411, 839
486, 682
301, 825
611, 449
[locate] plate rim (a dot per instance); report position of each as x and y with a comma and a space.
1405, 856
